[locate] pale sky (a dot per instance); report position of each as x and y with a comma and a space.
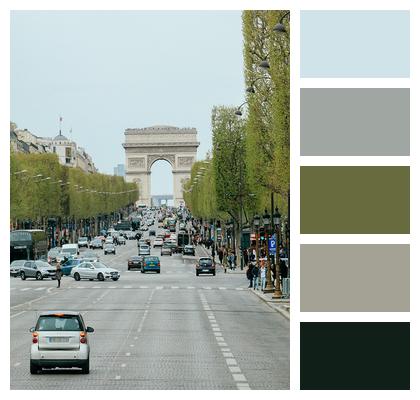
105, 71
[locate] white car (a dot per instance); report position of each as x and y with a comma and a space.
109, 239
94, 270
83, 242
121, 240
144, 250
158, 242
60, 339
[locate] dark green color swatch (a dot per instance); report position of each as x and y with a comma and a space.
355, 356
355, 200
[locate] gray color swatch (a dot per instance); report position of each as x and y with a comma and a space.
355, 122
355, 44
355, 278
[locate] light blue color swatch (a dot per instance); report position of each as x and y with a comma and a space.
355, 44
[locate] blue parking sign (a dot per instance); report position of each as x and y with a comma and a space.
272, 245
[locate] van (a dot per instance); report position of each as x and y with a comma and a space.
72, 248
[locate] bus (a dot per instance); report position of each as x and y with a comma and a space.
28, 244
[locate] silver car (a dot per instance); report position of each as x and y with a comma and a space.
94, 270
37, 269
60, 340
15, 267
144, 250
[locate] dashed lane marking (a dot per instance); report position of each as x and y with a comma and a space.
16, 364
235, 370
128, 354
231, 361
239, 377
226, 354
118, 377
40, 288
24, 289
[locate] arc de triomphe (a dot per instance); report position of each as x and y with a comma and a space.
144, 146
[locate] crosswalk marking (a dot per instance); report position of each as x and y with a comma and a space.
26, 288
135, 287
40, 288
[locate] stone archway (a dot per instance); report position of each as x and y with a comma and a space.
177, 146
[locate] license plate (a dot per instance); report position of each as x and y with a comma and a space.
151, 265
59, 339
205, 270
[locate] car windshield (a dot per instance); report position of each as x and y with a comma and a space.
206, 261
42, 264
59, 322
83, 239
69, 251
54, 252
99, 265
151, 259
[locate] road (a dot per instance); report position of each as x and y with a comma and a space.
157, 331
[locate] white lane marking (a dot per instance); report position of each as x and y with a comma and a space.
216, 329
24, 289
127, 287
191, 287
34, 300
243, 386
211, 317
96, 287
222, 288
239, 288
206, 287
217, 334
112, 287
239, 377
40, 288
228, 354
220, 339
143, 287
81, 287
118, 377
128, 354
16, 364
136, 337
221, 344
235, 369
174, 287
123, 365
231, 361
226, 349
131, 345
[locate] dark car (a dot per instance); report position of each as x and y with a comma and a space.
205, 266
152, 232
135, 262
188, 250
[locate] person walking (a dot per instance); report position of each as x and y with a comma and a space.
255, 276
213, 254
263, 272
249, 275
220, 255
58, 274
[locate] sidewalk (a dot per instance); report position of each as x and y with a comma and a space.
280, 305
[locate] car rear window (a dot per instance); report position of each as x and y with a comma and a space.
58, 322
205, 262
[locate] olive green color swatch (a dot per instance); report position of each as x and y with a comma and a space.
350, 200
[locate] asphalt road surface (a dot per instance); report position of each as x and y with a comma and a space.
171, 330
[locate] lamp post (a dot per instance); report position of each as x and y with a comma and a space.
267, 225
277, 221
257, 238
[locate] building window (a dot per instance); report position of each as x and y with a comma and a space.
68, 152
54, 149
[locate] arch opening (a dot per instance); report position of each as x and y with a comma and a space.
162, 185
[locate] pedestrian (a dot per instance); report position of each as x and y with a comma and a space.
213, 253
220, 254
255, 275
58, 274
245, 257
249, 275
263, 272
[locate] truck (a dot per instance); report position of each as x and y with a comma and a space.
182, 240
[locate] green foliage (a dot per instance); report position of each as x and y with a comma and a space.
70, 192
268, 119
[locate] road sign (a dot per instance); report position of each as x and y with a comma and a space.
272, 245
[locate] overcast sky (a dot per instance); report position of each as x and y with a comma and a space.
105, 71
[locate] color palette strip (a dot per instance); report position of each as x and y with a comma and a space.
354, 200
355, 122
360, 198
355, 278
355, 44
355, 356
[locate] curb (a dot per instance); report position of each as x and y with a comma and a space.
286, 314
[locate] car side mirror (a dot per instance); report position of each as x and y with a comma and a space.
32, 329
89, 329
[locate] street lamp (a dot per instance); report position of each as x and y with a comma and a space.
279, 27
257, 238
238, 111
267, 220
264, 64
277, 221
